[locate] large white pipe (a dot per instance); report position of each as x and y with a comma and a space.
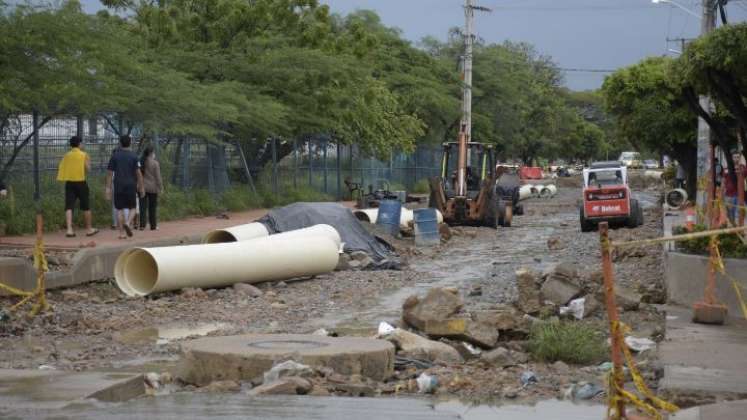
676, 197
548, 191
326, 231
142, 271
406, 217
525, 191
236, 233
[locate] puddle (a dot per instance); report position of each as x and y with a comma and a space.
165, 334
549, 409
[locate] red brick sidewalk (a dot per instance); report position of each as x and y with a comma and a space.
107, 237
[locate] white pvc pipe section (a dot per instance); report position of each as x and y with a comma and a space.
548, 191
525, 191
142, 271
236, 233
322, 230
406, 217
676, 197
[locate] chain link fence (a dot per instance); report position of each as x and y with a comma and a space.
274, 166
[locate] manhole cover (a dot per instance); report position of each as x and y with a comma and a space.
287, 345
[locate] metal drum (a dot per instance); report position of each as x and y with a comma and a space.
389, 214
426, 227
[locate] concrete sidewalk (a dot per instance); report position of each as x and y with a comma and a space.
190, 227
703, 363
733, 410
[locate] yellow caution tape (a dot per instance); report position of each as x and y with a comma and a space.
618, 394
40, 263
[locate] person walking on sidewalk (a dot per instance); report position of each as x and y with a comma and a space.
72, 171
153, 185
123, 182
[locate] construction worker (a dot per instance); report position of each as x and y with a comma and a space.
72, 171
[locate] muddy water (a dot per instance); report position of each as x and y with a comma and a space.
165, 334
549, 409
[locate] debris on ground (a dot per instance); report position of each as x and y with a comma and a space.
639, 345
412, 345
427, 384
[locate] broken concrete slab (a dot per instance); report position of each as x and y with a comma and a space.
292, 385
626, 298
439, 304
42, 389
246, 357
559, 290
464, 329
503, 357
502, 319
415, 346
529, 296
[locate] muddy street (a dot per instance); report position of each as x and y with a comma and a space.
96, 328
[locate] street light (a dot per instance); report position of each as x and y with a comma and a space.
688, 11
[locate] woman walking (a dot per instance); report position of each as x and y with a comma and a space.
153, 187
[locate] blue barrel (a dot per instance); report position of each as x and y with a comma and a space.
389, 214
426, 227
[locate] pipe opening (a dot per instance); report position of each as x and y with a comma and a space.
219, 237
140, 272
362, 216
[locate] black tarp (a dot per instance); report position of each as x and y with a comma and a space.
354, 236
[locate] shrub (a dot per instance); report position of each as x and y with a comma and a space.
421, 187
731, 245
571, 342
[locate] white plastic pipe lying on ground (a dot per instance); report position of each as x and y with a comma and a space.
548, 191
322, 230
236, 233
406, 218
525, 191
142, 271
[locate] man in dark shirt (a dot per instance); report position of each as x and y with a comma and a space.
124, 170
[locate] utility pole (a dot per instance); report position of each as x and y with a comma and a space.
708, 24
469, 41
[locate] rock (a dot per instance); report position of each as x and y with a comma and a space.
475, 291
285, 386
445, 231
318, 391
626, 298
529, 296
343, 263
152, 380
278, 305
194, 293
247, 289
356, 390
365, 263
566, 270
502, 319
222, 386
465, 329
560, 367
417, 347
281, 284
559, 291
503, 357
439, 304
289, 368
354, 265
166, 378
555, 244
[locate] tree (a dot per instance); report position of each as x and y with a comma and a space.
715, 65
651, 113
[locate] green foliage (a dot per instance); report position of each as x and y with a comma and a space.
730, 246
571, 342
421, 187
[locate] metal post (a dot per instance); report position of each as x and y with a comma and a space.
469, 13
210, 168
708, 23
37, 184
309, 142
339, 171
324, 156
273, 144
246, 167
612, 316
79, 126
295, 163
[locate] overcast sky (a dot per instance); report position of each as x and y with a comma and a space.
578, 34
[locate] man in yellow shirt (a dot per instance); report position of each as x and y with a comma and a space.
72, 172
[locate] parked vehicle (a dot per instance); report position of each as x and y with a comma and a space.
631, 159
608, 198
650, 164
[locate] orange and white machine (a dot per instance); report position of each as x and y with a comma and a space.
608, 198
